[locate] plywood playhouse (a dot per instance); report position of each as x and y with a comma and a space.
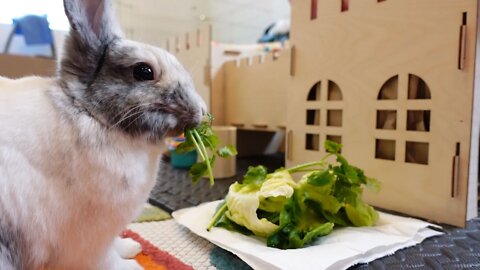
395, 81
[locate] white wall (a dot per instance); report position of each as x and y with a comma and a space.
243, 21
233, 21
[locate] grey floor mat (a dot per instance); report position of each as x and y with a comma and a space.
456, 249
174, 188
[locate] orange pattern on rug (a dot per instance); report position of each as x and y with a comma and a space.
152, 258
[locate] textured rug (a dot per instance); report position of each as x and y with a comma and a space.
152, 258
178, 241
152, 213
458, 248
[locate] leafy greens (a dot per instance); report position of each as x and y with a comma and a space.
293, 214
204, 140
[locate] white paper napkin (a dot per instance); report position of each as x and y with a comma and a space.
341, 249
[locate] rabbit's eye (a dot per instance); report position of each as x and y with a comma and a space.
143, 72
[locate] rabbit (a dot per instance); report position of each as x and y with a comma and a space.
79, 152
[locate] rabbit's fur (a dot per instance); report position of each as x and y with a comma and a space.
79, 152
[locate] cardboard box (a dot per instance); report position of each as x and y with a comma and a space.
16, 66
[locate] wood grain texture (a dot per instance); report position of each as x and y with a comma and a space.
256, 91
193, 50
360, 49
17, 66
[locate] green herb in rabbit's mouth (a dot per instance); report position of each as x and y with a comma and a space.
204, 140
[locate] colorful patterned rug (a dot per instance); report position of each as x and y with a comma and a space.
152, 258
167, 245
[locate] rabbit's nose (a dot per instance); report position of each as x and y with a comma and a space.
203, 108
192, 124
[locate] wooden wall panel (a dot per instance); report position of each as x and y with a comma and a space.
256, 92
192, 49
360, 49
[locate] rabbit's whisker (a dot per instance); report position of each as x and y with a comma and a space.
135, 119
126, 117
126, 113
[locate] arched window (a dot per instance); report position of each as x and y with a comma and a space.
322, 121
401, 105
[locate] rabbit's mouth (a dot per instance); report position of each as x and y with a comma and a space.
174, 133
158, 121
177, 122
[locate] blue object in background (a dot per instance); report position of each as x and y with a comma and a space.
180, 160
35, 31
276, 32
34, 28
184, 160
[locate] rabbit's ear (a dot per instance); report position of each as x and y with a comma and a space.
93, 29
92, 20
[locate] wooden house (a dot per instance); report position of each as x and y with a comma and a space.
394, 81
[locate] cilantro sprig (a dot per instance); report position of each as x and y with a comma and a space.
204, 140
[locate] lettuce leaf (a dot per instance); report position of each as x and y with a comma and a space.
290, 214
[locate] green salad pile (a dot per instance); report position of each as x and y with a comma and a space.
292, 214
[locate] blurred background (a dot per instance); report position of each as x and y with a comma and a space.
152, 21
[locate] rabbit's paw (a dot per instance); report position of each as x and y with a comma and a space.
129, 265
114, 262
127, 248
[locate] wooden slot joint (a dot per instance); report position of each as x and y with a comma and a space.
275, 55
199, 38
345, 5
260, 125
462, 43
238, 125
292, 61
187, 41
207, 80
177, 45
289, 144
455, 172
313, 9
167, 45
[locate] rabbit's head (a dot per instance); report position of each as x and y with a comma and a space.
136, 88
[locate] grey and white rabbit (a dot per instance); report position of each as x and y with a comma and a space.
79, 152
